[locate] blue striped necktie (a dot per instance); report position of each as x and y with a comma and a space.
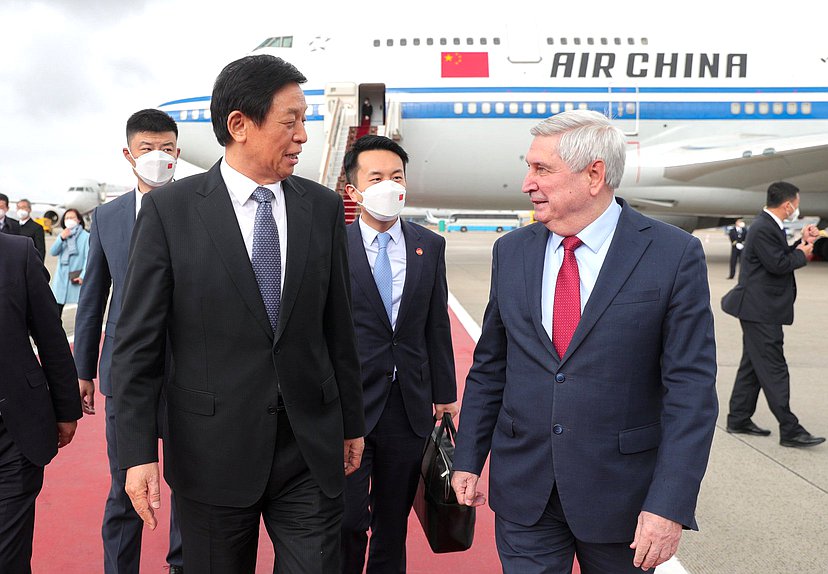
382, 273
267, 255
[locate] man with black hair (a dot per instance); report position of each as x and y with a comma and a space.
152, 151
30, 228
246, 267
7, 224
763, 301
400, 308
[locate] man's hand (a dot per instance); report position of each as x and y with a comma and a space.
450, 408
77, 281
656, 540
353, 454
66, 432
465, 488
143, 486
810, 233
806, 248
87, 395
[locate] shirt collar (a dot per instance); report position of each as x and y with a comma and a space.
776, 219
369, 234
595, 234
241, 187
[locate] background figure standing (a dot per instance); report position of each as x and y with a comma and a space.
39, 403
71, 248
400, 310
151, 150
7, 224
594, 378
367, 111
737, 235
763, 301
245, 267
30, 228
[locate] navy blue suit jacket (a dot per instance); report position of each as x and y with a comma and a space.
106, 267
623, 422
420, 346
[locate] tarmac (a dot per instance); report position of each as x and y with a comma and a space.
763, 508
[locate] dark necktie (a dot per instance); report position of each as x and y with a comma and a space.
267, 255
566, 311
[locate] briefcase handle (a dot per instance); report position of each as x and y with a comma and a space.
447, 425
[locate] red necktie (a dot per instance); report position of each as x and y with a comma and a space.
567, 309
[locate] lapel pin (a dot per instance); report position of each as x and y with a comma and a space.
419, 251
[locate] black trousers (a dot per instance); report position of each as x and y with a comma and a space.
302, 522
549, 547
763, 367
735, 256
20, 483
380, 493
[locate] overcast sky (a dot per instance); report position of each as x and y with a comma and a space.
72, 71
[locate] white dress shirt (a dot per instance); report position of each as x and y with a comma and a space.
778, 221
396, 254
241, 190
596, 238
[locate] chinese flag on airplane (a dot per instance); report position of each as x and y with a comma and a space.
464, 65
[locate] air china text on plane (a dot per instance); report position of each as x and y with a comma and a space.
644, 65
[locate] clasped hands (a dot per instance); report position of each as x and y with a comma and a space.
810, 233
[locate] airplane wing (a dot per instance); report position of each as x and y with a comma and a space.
751, 163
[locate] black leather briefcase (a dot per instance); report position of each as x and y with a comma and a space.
447, 524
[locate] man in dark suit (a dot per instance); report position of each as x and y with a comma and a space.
246, 268
30, 228
593, 383
737, 235
147, 132
8, 225
400, 309
763, 301
39, 405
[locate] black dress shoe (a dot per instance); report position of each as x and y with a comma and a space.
176, 569
748, 428
802, 440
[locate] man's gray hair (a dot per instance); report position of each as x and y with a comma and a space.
587, 136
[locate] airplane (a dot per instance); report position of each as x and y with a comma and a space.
83, 195
710, 122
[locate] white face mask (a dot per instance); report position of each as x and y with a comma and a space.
155, 168
384, 200
793, 216
70, 223
22, 214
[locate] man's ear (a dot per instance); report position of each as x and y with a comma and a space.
237, 125
128, 156
353, 193
597, 172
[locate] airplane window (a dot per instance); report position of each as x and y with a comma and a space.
541, 107
554, 108
276, 43
569, 106
458, 108
603, 41
620, 110
416, 41
577, 41
527, 108
806, 108
777, 108
430, 41
583, 106
644, 41
631, 41
472, 107
590, 41
262, 45
182, 114
442, 41
496, 41
287, 42
207, 114
630, 108
617, 41
499, 108
792, 108
513, 108
469, 41
457, 41
763, 108
735, 108
486, 108
483, 41
564, 41
389, 42
550, 41
403, 42
195, 114
750, 108
376, 43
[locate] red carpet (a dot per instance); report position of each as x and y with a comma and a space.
70, 509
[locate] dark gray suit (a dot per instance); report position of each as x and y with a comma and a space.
107, 267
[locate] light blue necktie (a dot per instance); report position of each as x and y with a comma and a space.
382, 273
267, 255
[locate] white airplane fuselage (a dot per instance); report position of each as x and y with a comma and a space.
709, 125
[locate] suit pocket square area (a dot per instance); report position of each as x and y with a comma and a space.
629, 297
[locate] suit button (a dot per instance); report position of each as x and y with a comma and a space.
394, 342
560, 378
557, 429
271, 410
276, 350
389, 375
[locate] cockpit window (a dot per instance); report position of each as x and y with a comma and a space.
277, 42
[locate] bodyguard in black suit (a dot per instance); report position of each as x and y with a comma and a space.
246, 268
39, 405
30, 228
737, 235
763, 301
8, 225
400, 309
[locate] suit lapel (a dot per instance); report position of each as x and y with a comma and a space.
217, 214
361, 272
299, 209
628, 245
533, 259
413, 269
128, 220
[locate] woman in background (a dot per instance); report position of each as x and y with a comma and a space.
71, 248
